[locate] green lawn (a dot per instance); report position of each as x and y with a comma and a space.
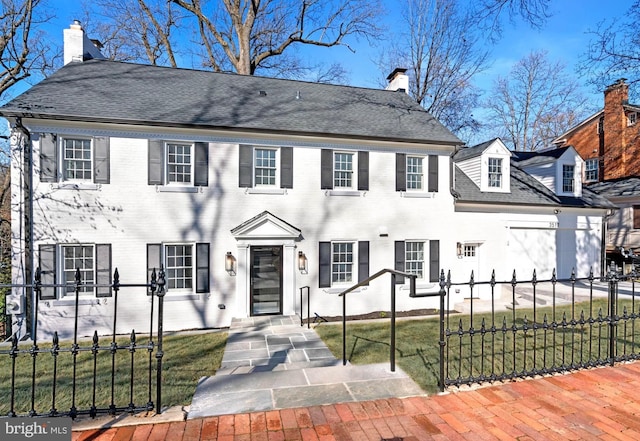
505, 352
186, 359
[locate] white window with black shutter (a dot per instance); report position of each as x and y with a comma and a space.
419, 257
344, 172
265, 169
178, 165
59, 264
74, 161
343, 263
416, 175
186, 266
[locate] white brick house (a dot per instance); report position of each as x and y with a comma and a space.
247, 189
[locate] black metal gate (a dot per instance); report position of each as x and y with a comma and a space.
567, 324
114, 375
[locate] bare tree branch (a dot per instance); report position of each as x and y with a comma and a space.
244, 34
534, 103
613, 51
442, 58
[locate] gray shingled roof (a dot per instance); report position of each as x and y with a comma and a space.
525, 190
623, 187
109, 91
473, 151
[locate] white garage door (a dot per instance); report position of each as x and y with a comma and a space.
531, 249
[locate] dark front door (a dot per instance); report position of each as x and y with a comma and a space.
266, 280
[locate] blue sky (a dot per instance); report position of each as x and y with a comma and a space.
564, 37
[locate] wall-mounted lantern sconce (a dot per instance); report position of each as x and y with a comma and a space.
302, 262
230, 264
459, 250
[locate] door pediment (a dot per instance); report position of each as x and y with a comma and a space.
265, 225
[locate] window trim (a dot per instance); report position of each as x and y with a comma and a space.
566, 180
421, 174
51, 261
595, 170
495, 171
632, 119
167, 164
276, 168
200, 267
63, 159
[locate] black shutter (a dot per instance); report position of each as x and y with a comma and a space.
399, 259
246, 166
201, 169
103, 270
48, 158
286, 167
324, 277
326, 169
154, 260
363, 261
434, 260
363, 170
202, 267
156, 155
101, 159
433, 173
401, 172
47, 254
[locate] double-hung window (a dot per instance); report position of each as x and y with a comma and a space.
60, 264
632, 118
415, 177
186, 265
77, 161
343, 263
495, 172
78, 259
591, 170
568, 179
178, 165
342, 256
416, 174
74, 160
419, 257
344, 171
414, 258
265, 168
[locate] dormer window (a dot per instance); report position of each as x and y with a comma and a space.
568, 180
495, 172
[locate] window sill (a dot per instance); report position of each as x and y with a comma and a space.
344, 193
180, 297
266, 191
66, 301
76, 186
417, 194
420, 286
338, 290
177, 189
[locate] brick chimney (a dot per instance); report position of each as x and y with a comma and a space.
398, 80
77, 47
616, 156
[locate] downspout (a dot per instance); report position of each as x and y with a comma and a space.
603, 242
27, 220
452, 183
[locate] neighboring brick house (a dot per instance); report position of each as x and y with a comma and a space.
609, 143
608, 140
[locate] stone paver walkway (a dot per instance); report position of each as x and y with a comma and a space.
596, 404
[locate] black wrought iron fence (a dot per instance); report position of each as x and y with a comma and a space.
539, 326
93, 376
